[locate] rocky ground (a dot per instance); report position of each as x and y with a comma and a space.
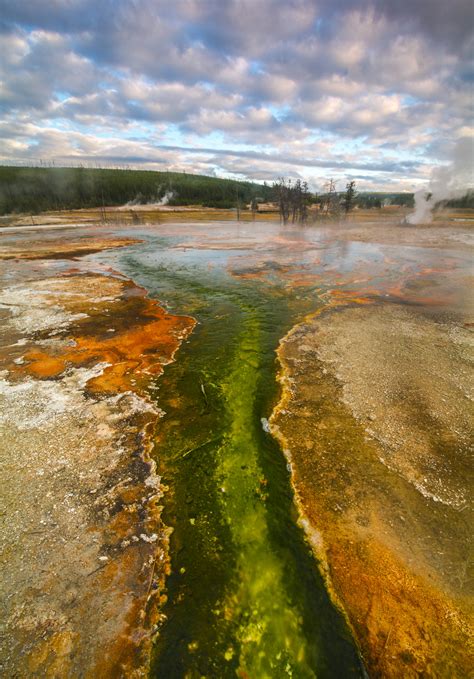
57, 250
376, 419
82, 547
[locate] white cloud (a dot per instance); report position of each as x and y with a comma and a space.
380, 80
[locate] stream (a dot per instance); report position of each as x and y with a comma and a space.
245, 597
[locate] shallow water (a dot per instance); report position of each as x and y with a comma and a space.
244, 594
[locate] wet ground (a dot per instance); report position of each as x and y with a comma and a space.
246, 594
82, 546
377, 418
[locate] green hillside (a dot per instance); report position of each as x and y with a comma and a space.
36, 189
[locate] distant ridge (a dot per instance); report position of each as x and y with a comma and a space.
37, 189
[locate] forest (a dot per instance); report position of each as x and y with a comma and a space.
38, 189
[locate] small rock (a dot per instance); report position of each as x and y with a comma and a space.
149, 538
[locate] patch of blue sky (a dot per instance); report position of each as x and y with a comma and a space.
208, 85
281, 113
119, 73
408, 99
61, 95
171, 135
61, 124
145, 131
256, 68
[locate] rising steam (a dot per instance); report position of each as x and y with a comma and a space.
169, 195
452, 181
138, 202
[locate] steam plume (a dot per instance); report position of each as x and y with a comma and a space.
446, 182
166, 198
139, 203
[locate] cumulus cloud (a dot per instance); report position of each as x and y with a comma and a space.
352, 86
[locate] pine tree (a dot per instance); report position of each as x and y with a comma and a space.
349, 196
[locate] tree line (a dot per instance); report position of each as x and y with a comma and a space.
294, 200
37, 189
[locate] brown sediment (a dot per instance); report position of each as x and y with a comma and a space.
83, 548
65, 250
250, 275
136, 216
260, 267
349, 296
361, 225
374, 417
300, 279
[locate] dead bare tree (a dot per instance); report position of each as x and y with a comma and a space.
282, 189
292, 200
304, 202
237, 202
253, 207
330, 204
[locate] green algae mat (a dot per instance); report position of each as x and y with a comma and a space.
245, 597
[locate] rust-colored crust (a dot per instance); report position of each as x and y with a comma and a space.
69, 249
136, 339
406, 621
108, 630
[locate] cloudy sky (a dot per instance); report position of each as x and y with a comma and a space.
378, 91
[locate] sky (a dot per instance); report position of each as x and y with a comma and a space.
377, 91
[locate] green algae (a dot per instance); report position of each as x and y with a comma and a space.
269, 628
245, 597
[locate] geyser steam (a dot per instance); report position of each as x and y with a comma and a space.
138, 202
448, 182
166, 198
